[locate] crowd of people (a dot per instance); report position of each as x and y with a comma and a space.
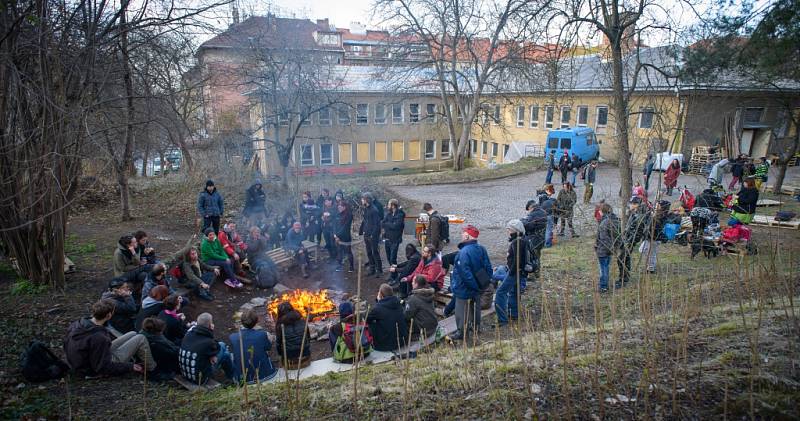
138, 324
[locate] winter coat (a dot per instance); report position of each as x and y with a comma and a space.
709, 199
576, 163
371, 224
432, 270
294, 241
343, 227
254, 199
87, 347
124, 261
231, 242
386, 320
671, 176
193, 272
551, 163
717, 170
290, 330
165, 354
636, 227
125, 311
393, 224
746, 202
548, 204
535, 223
150, 308
257, 250
434, 233
471, 258
405, 269
212, 250
176, 328
564, 163
419, 309
648, 166
762, 171
737, 169
608, 236
197, 349
151, 282
514, 241
565, 202
210, 204
590, 174
255, 346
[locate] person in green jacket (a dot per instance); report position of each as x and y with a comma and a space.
212, 253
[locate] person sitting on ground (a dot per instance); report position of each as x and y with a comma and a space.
349, 342
260, 263
127, 263
174, 320
91, 350
387, 322
343, 236
293, 342
254, 209
430, 267
251, 351
197, 275
125, 308
157, 276
346, 315
709, 199
212, 253
201, 355
565, 205
744, 207
143, 248
151, 305
294, 246
405, 268
165, 353
419, 311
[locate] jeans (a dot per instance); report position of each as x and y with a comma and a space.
373, 255
224, 361
131, 344
624, 263
604, 261
564, 176
505, 299
548, 234
210, 221
391, 250
650, 251
549, 178
345, 251
227, 268
574, 176
468, 315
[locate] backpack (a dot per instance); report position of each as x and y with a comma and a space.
40, 364
444, 228
345, 348
784, 216
530, 262
266, 275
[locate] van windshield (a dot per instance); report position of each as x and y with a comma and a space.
552, 143
566, 143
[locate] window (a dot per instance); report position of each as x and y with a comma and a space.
496, 116
548, 116
362, 152
344, 116
552, 143
484, 149
413, 113
505, 150
520, 116
583, 115
646, 118
381, 152
306, 155
534, 116
565, 116
430, 149
445, 150
345, 153
474, 146
494, 149
306, 121
413, 150
398, 149
325, 117
362, 114
397, 113
283, 118
753, 114
326, 154
380, 114
566, 143
602, 117
430, 113
590, 139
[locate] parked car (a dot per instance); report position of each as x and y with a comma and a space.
578, 140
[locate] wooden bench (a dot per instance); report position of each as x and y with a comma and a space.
282, 259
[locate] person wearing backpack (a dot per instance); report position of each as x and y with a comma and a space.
437, 225
505, 300
419, 311
91, 350
125, 308
251, 351
345, 336
387, 322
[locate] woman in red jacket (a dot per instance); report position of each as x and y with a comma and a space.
671, 176
430, 266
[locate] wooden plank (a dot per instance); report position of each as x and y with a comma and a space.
194, 388
769, 221
768, 202
785, 189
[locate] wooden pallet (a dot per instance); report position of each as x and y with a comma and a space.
768, 202
280, 257
790, 190
769, 221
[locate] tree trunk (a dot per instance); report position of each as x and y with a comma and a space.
783, 164
461, 149
620, 105
122, 176
144, 160
284, 158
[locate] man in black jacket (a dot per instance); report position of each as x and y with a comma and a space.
393, 224
386, 320
635, 230
371, 230
535, 223
564, 165
201, 355
90, 350
125, 308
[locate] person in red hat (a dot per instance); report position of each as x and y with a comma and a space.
471, 265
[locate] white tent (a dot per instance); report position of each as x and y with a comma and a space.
519, 150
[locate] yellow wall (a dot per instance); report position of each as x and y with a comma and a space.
397, 150
381, 154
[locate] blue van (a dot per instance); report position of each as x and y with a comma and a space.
579, 140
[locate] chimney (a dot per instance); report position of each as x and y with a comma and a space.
323, 23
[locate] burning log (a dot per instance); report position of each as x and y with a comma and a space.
315, 305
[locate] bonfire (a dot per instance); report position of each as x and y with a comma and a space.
307, 303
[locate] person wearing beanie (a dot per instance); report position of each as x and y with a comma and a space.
254, 208
337, 329
210, 206
471, 262
505, 301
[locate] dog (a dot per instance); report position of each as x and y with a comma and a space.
708, 247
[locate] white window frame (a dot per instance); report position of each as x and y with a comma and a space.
395, 118
382, 120
552, 110
324, 122
303, 163
578, 116
359, 117
339, 118
322, 156
413, 117
520, 116
534, 116
432, 155
495, 149
642, 112
430, 117
443, 143
561, 123
597, 124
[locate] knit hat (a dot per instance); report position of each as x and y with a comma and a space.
516, 225
345, 309
635, 199
471, 230
209, 183
208, 230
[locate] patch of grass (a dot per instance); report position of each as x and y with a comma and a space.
469, 174
7, 269
723, 329
71, 246
26, 287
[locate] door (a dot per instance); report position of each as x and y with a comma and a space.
747, 141
760, 143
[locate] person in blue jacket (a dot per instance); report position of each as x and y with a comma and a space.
210, 206
471, 263
255, 346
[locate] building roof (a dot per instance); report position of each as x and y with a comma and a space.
270, 32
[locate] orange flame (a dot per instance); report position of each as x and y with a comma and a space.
305, 302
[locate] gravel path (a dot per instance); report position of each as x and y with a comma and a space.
489, 205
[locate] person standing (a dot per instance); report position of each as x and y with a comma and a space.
371, 230
564, 166
565, 204
647, 171
535, 223
655, 234
551, 166
762, 172
671, 176
471, 263
434, 231
607, 242
575, 164
737, 171
548, 203
210, 206
590, 175
505, 300
635, 229
254, 205
393, 224
343, 237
